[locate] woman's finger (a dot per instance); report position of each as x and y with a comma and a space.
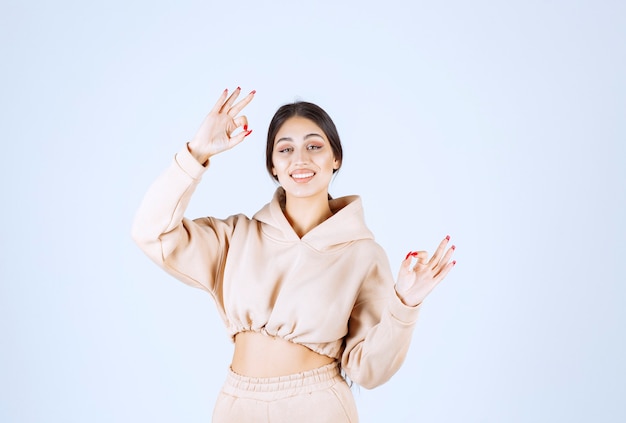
421, 261
439, 252
421, 257
241, 121
231, 99
220, 102
234, 111
445, 260
236, 139
444, 271
406, 263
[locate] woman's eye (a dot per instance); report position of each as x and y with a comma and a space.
285, 150
314, 147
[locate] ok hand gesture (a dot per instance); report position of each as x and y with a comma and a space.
416, 282
216, 134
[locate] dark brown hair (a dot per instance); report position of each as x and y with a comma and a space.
309, 111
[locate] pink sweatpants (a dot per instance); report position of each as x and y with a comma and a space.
320, 395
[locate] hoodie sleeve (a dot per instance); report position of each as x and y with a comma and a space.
379, 329
191, 250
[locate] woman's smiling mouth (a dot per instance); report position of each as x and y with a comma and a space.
302, 175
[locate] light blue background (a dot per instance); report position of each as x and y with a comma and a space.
501, 123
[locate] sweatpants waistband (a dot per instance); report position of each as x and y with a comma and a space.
272, 388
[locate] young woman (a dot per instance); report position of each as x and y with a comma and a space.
302, 287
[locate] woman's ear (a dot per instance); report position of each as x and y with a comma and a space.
336, 164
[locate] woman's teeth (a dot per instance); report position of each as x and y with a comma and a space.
302, 175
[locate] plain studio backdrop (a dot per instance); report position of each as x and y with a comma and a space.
499, 123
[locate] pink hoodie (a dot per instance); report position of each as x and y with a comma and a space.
331, 290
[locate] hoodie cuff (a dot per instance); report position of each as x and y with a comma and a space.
189, 164
402, 312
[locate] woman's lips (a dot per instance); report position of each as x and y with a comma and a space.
302, 176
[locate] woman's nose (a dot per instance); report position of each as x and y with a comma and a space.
301, 155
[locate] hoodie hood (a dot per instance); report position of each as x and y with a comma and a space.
347, 224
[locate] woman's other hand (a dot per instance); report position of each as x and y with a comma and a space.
416, 281
217, 132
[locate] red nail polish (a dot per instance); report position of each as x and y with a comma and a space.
239, 88
454, 262
414, 254
248, 133
453, 247
409, 255
253, 92
245, 127
447, 237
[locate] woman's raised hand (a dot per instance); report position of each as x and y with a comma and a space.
217, 132
415, 282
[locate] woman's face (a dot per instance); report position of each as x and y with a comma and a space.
303, 160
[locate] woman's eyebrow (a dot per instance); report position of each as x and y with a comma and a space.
313, 135
307, 136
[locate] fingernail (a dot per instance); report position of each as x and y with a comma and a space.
245, 127
453, 247
453, 262
253, 92
414, 254
447, 237
248, 133
409, 255
239, 88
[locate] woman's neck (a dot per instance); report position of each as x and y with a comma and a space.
305, 214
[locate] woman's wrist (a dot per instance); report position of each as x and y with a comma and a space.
403, 299
201, 158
